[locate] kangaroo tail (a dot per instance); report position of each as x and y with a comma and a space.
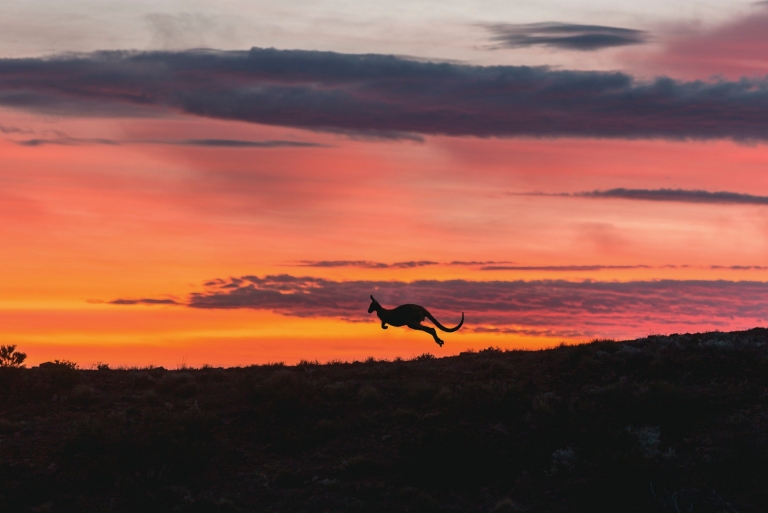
437, 323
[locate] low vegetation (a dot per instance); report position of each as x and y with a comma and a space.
9, 357
668, 424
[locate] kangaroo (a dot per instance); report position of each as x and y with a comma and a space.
411, 316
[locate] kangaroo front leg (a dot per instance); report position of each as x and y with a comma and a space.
429, 330
384, 325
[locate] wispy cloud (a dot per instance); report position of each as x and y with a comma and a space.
67, 141
14, 130
212, 143
740, 267
677, 195
366, 264
735, 48
374, 134
687, 196
235, 143
386, 94
594, 308
478, 262
559, 268
143, 301
566, 36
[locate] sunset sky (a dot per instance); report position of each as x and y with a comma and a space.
226, 183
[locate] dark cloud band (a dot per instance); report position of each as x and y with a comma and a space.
370, 94
687, 196
740, 267
556, 268
567, 36
144, 301
211, 143
677, 195
552, 306
14, 130
366, 264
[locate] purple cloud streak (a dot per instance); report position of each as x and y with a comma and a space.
370, 94
541, 306
566, 36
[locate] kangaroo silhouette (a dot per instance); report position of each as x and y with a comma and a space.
411, 316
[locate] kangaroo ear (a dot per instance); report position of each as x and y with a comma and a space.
372, 298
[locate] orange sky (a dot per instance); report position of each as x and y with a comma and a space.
87, 223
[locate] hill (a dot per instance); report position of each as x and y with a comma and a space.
665, 423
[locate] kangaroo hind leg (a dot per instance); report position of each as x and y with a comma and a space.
429, 330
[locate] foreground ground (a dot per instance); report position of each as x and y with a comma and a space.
674, 424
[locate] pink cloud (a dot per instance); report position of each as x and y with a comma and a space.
738, 48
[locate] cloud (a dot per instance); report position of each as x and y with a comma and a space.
478, 262
143, 301
212, 143
234, 143
740, 267
687, 196
678, 195
365, 264
374, 135
566, 36
560, 267
594, 308
385, 94
14, 130
67, 141
735, 48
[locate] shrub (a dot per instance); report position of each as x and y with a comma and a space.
368, 394
563, 460
84, 395
186, 390
141, 379
173, 382
421, 390
505, 505
66, 363
9, 357
9, 427
648, 439
62, 373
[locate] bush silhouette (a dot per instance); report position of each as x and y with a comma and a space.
63, 374
9, 357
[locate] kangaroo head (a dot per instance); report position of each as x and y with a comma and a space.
374, 305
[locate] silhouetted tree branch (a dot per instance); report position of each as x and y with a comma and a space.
9, 357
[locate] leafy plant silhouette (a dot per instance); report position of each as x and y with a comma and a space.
62, 374
9, 357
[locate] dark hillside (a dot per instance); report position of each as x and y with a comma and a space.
668, 424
